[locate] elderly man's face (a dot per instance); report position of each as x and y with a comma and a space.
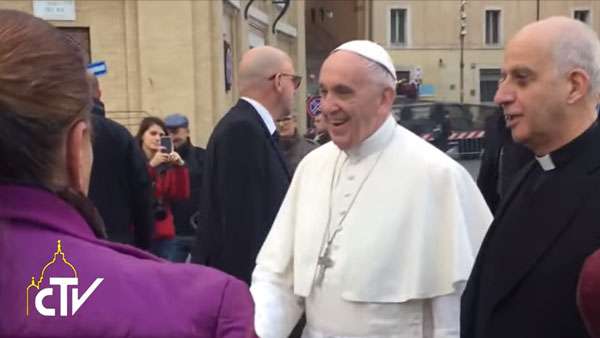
531, 91
320, 125
351, 102
179, 135
286, 126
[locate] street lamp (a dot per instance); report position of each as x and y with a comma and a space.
463, 32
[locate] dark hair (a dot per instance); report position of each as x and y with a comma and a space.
146, 123
43, 92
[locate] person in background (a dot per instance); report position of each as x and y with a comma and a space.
501, 161
170, 182
120, 186
321, 133
442, 129
294, 146
185, 211
46, 147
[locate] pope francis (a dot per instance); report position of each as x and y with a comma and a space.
378, 231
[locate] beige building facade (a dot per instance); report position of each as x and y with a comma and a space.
422, 36
174, 55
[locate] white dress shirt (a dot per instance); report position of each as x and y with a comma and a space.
263, 112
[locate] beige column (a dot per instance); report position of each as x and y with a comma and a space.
209, 78
132, 55
301, 64
241, 40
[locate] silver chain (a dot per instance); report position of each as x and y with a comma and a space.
327, 239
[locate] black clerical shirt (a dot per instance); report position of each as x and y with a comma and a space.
514, 218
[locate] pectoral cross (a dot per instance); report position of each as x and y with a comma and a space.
324, 262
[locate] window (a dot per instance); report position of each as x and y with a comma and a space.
256, 37
403, 88
492, 27
403, 75
488, 83
81, 36
582, 15
398, 26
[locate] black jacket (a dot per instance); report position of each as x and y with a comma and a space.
119, 185
502, 159
245, 181
184, 210
536, 268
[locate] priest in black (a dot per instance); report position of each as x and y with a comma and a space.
246, 176
523, 283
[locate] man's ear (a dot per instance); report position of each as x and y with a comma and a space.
277, 82
388, 96
579, 84
78, 156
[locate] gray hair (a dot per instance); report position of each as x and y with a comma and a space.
380, 75
579, 48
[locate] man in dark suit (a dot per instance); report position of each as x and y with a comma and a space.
246, 177
523, 283
119, 185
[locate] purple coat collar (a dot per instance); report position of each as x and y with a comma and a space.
18, 202
35, 204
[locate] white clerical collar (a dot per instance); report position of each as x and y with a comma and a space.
263, 112
546, 162
376, 142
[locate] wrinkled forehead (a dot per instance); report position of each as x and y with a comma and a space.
527, 51
343, 67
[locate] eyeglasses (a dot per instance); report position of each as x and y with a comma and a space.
296, 79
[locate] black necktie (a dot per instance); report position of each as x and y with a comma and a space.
280, 153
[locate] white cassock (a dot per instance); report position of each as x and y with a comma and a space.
410, 221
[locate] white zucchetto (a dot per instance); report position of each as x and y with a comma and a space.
372, 51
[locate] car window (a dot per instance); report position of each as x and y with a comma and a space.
460, 119
415, 119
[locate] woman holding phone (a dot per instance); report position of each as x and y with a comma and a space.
170, 181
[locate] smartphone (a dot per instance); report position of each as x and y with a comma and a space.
166, 144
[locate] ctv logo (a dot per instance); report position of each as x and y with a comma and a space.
47, 295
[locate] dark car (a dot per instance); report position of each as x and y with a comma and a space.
455, 128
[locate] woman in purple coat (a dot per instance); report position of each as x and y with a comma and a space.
58, 277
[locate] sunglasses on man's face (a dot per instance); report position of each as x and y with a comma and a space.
296, 79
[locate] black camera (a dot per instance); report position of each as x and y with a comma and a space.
160, 212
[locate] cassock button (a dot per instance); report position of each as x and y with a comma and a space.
351, 178
347, 194
343, 212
